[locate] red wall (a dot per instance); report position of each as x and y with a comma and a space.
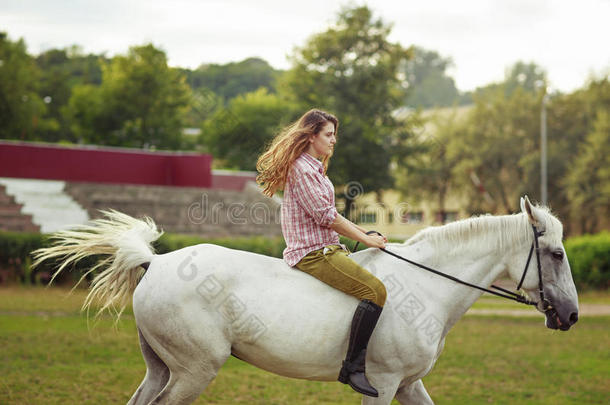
104, 165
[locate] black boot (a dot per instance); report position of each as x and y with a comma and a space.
363, 323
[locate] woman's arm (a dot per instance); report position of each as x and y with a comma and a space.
348, 229
361, 229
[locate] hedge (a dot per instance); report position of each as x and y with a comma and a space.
589, 255
257, 244
15, 258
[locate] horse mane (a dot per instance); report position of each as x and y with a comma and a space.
487, 231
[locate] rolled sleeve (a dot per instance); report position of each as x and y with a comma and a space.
314, 198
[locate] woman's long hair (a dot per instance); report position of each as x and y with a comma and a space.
273, 165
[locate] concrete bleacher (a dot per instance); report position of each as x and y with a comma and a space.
44, 202
49, 205
186, 210
60, 186
11, 217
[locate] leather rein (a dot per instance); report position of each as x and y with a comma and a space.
546, 305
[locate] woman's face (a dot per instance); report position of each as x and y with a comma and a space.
322, 143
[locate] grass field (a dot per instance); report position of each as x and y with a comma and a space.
49, 356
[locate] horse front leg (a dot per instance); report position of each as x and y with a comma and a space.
386, 385
414, 394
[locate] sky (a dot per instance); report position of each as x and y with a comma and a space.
568, 38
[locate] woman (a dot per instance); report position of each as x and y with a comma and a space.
296, 161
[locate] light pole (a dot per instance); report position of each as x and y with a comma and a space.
543, 172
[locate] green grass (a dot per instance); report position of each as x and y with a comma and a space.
49, 356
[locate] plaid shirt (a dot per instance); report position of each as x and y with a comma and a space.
308, 209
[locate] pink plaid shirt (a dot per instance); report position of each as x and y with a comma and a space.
308, 209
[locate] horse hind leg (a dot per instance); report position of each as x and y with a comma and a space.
157, 375
193, 367
183, 388
186, 383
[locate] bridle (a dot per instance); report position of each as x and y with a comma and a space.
546, 305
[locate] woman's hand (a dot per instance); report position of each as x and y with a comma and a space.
376, 241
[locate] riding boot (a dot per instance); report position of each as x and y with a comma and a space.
353, 370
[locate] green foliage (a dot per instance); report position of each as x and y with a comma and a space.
256, 244
16, 248
589, 257
429, 84
572, 120
238, 133
61, 70
71, 65
204, 103
426, 174
524, 76
21, 109
140, 103
588, 180
500, 144
527, 76
235, 78
351, 70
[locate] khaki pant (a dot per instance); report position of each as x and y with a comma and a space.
336, 269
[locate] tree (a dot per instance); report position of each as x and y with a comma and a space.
141, 102
204, 103
570, 118
21, 109
427, 172
61, 70
500, 144
588, 180
238, 133
525, 76
232, 79
351, 70
429, 84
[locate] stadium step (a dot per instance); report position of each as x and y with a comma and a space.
45, 202
11, 217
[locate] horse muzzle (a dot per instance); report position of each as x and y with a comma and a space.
554, 320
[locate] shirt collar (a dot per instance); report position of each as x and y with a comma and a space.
313, 162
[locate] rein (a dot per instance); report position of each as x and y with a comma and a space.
505, 293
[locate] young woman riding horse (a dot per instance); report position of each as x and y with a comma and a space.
296, 162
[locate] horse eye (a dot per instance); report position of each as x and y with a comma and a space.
558, 254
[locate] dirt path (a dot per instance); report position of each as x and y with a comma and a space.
584, 310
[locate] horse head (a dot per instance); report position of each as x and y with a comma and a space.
561, 308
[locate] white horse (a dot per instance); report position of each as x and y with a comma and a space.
196, 306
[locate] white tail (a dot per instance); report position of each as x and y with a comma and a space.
126, 243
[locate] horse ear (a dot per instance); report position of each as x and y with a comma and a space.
528, 209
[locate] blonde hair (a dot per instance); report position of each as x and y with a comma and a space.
274, 164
